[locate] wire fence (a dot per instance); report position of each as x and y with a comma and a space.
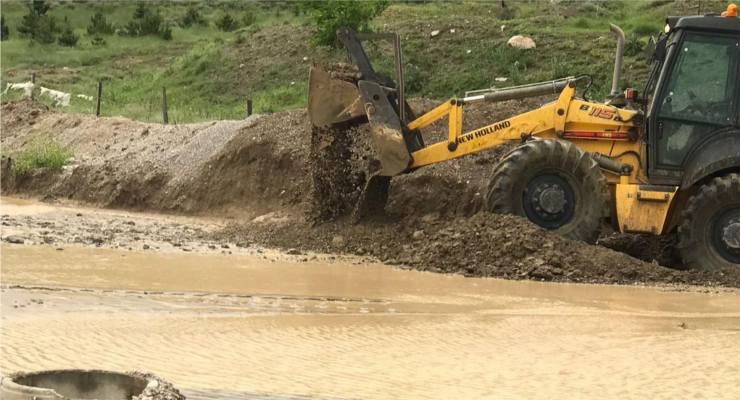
157, 108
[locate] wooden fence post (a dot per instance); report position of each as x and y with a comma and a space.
98, 98
249, 107
165, 117
33, 81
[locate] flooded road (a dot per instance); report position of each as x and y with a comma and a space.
222, 326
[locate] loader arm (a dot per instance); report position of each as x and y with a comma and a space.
595, 127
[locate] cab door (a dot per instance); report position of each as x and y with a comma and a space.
696, 101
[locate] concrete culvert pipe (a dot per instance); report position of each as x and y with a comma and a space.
75, 384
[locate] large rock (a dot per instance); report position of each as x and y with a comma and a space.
521, 42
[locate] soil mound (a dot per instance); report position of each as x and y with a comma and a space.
219, 167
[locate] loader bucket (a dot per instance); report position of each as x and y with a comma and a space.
386, 131
330, 100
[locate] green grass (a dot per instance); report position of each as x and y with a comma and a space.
41, 155
209, 74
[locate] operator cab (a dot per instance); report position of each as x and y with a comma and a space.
693, 115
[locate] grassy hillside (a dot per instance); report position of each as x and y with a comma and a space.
209, 73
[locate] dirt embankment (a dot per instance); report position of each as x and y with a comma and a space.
223, 166
259, 171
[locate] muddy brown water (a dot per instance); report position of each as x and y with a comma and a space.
245, 327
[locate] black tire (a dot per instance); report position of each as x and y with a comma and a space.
709, 233
574, 201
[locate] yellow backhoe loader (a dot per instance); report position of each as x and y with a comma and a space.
663, 162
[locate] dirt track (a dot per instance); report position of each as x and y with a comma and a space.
257, 172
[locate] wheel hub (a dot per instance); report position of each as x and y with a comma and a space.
552, 199
726, 234
731, 235
549, 201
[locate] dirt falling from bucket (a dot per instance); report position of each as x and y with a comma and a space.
336, 162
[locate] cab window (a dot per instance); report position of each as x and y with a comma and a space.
699, 96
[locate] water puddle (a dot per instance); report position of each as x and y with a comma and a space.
261, 327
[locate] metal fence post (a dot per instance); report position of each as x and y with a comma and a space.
249, 107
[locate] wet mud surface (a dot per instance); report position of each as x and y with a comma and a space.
255, 329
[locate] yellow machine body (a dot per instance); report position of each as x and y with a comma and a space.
594, 127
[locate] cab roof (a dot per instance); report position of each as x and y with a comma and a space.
713, 23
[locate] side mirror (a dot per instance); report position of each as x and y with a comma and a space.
650, 49
656, 49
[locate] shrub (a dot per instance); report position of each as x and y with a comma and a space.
41, 154
39, 7
330, 15
506, 13
645, 29
147, 22
68, 37
192, 17
4, 31
226, 23
99, 25
37, 25
249, 18
583, 23
165, 32
45, 30
633, 46
98, 41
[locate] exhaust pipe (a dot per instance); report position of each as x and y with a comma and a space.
619, 33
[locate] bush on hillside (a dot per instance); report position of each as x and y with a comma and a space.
646, 29
147, 22
165, 32
192, 17
37, 24
330, 15
68, 38
633, 46
98, 41
226, 23
4, 31
99, 25
249, 18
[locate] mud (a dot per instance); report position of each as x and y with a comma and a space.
255, 329
268, 173
62, 228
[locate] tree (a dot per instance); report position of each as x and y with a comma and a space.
165, 32
40, 7
226, 23
4, 30
147, 22
68, 37
99, 25
330, 15
37, 24
192, 17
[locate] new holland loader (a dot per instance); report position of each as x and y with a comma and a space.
665, 161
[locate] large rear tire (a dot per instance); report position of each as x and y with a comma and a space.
555, 185
709, 233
